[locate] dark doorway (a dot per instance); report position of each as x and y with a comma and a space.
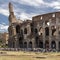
30, 44
47, 31
36, 31
13, 44
25, 31
21, 34
17, 29
53, 30
53, 45
59, 46
37, 41
25, 44
20, 42
47, 44
40, 44
31, 25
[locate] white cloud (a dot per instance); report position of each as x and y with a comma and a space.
24, 16
3, 27
40, 3
34, 3
22, 13
55, 5
30, 2
4, 11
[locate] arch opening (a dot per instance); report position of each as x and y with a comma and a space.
17, 29
25, 44
30, 44
53, 45
47, 31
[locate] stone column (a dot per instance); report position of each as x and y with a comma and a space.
27, 44
57, 45
50, 33
57, 35
16, 42
33, 43
44, 35
57, 28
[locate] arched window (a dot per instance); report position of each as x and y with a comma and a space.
30, 44
25, 31
36, 31
53, 30
21, 32
18, 29
47, 23
47, 31
31, 25
41, 31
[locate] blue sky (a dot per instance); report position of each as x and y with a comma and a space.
26, 9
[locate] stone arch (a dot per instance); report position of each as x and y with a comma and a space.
17, 29
40, 31
47, 44
20, 42
25, 30
13, 44
21, 32
40, 44
53, 45
59, 45
53, 30
59, 30
37, 41
30, 44
36, 31
47, 23
47, 31
25, 44
31, 26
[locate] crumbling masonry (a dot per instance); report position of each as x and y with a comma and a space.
43, 31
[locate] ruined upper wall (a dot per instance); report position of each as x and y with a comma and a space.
47, 16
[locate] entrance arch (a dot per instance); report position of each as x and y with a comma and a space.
53, 45
20, 42
25, 44
40, 44
47, 31
17, 29
13, 44
59, 45
30, 44
46, 44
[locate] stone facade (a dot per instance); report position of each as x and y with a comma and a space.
43, 31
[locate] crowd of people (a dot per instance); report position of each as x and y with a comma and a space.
29, 49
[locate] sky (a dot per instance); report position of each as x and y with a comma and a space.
25, 9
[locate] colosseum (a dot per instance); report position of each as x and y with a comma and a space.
43, 31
